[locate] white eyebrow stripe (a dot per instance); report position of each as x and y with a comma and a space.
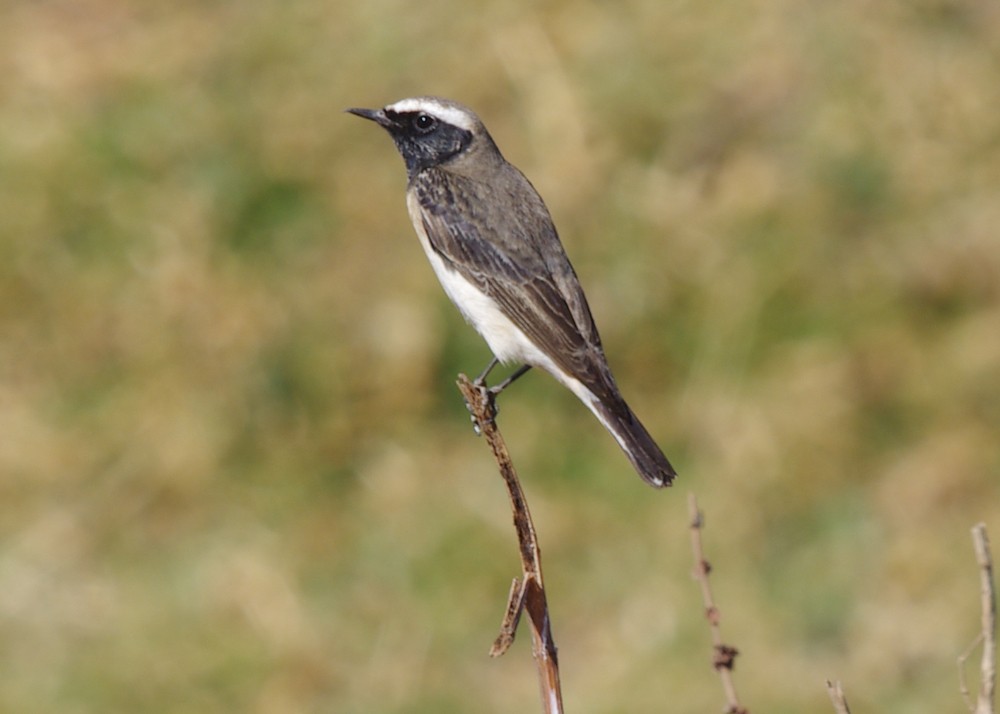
449, 115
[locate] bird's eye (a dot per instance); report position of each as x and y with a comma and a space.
424, 123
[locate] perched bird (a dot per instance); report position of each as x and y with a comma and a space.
492, 243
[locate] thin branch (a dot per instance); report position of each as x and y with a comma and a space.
963, 685
988, 602
725, 655
527, 594
836, 693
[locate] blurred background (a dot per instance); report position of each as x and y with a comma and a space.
236, 475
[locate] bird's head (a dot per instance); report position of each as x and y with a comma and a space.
430, 131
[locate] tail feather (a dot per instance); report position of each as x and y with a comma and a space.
646, 457
618, 418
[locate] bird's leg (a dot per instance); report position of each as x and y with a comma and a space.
480, 381
490, 393
510, 380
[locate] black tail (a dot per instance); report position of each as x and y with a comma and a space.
636, 442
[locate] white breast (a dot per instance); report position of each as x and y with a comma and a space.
505, 339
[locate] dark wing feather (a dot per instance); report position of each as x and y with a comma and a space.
515, 257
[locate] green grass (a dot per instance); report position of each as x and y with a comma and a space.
235, 473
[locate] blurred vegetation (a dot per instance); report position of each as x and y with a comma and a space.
235, 472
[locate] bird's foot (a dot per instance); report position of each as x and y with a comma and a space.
487, 407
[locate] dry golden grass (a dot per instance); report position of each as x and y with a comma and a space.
235, 472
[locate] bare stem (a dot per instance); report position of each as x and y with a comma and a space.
527, 594
985, 703
836, 693
724, 657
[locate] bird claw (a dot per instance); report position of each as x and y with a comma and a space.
488, 398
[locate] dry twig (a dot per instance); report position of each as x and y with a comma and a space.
836, 693
985, 701
725, 655
528, 593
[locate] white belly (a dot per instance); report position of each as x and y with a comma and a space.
506, 340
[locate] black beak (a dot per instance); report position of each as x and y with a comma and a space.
376, 115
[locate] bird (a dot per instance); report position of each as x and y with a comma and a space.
494, 247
